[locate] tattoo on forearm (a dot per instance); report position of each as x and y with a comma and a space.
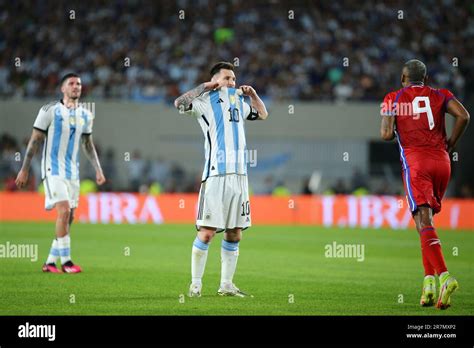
385, 124
90, 151
186, 99
33, 145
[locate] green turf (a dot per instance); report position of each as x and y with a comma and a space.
276, 265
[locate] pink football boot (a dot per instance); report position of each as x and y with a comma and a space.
69, 267
51, 268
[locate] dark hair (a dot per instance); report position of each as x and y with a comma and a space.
416, 70
65, 77
221, 65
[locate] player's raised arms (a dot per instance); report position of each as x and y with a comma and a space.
259, 111
184, 101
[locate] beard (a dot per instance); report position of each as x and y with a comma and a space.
74, 95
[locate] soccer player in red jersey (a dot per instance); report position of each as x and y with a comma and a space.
414, 115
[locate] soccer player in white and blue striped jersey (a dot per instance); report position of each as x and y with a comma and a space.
64, 124
224, 204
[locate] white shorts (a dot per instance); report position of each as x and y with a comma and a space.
224, 202
57, 189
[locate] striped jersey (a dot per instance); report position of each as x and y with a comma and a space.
63, 128
221, 115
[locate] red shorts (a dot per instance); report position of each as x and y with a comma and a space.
425, 179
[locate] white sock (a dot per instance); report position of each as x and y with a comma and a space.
229, 256
198, 260
53, 252
64, 245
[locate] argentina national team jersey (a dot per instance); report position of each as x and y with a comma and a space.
221, 115
63, 128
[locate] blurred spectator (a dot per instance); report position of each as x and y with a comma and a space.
281, 190
344, 90
384, 188
305, 189
268, 185
466, 191
136, 171
177, 179
110, 169
358, 180
340, 187
10, 161
194, 185
158, 172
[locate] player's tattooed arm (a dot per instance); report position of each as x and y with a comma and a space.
91, 153
36, 140
387, 128
259, 111
184, 101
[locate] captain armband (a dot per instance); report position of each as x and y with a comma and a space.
253, 115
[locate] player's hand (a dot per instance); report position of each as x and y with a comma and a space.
248, 90
22, 178
211, 85
99, 178
450, 146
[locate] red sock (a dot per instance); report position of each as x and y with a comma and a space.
429, 269
431, 250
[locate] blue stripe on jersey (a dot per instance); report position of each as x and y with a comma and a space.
235, 130
220, 132
58, 128
242, 110
70, 149
84, 118
399, 94
208, 164
77, 162
84, 130
406, 169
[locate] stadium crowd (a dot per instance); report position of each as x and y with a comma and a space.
154, 50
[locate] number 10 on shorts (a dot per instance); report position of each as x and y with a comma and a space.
245, 208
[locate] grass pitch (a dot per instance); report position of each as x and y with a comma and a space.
285, 268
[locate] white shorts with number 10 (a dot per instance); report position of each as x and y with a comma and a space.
224, 202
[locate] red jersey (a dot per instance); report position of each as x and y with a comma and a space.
419, 122
421, 133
